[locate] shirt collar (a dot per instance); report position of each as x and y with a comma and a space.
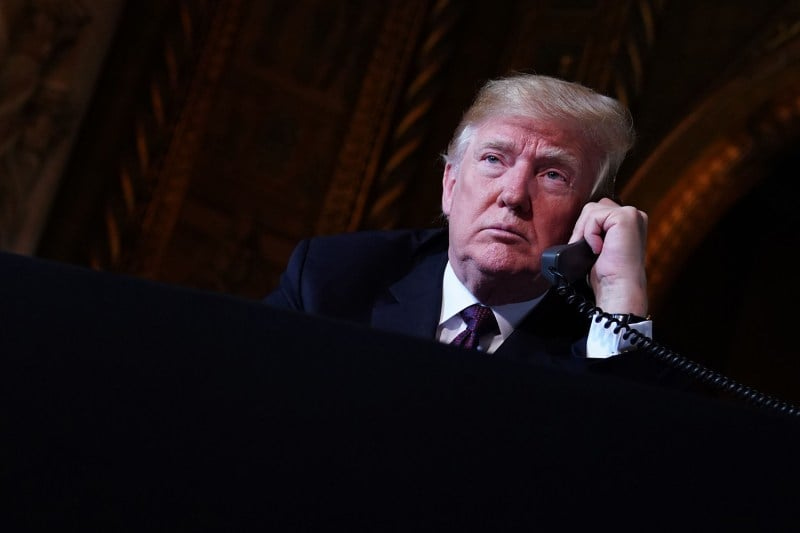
455, 297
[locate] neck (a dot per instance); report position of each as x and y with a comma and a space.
502, 290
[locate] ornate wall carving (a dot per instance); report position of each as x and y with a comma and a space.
50, 53
711, 159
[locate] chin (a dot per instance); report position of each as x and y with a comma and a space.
508, 267
500, 260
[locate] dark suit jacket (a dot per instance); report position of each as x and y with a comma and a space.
392, 281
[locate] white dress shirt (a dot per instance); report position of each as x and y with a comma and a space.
602, 342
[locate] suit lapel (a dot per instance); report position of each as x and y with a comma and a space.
526, 340
547, 334
414, 302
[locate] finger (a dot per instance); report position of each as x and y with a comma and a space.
590, 225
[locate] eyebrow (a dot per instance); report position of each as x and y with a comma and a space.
560, 155
497, 144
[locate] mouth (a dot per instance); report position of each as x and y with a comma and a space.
506, 233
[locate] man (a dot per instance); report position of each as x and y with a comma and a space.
527, 168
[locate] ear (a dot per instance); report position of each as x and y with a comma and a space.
448, 183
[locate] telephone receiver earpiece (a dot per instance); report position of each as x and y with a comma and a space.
571, 261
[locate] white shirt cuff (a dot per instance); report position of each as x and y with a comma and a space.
603, 343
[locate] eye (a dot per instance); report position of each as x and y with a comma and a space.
491, 158
555, 175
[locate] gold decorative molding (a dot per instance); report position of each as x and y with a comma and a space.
715, 155
175, 173
42, 100
686, 189
630, 62
154, 170
410, 130
696, 201
359, 158
602, 44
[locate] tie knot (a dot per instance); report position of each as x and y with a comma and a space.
479, 319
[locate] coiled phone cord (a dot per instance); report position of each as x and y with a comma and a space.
696, 370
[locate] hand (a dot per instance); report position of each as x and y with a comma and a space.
618, 234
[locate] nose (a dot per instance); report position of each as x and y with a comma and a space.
515, 193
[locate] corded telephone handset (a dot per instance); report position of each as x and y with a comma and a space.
565, 264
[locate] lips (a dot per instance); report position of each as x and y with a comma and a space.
507, 232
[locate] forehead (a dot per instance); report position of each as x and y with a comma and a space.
519, 132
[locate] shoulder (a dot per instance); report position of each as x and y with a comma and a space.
372, 246
411, 238
340, 275
365, 257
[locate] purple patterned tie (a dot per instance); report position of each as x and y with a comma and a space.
480, 321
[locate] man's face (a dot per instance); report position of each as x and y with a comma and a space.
517, 190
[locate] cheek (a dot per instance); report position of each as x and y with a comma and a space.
469, 201
554, 221
553, 234
464, 220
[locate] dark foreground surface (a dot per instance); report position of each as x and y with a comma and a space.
128, 405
